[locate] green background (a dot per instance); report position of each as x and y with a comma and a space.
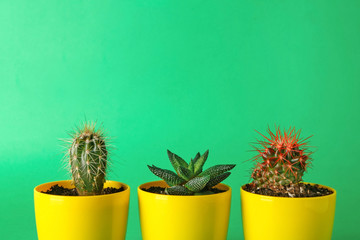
183, 75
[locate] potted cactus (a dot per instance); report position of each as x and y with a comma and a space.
88, 207
188, 197
277, 204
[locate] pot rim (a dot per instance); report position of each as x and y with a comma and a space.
297, 198
182, 196
37, 191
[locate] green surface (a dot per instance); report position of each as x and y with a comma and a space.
183, 75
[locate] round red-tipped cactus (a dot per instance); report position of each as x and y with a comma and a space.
282, 159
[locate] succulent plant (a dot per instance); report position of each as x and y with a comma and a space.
190, 178
282, 159
88, 159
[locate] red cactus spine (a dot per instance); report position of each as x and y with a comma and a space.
282, 159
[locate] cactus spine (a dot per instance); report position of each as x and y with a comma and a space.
88, 159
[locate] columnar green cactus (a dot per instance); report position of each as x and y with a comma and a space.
282, 159
190, 178
88, 159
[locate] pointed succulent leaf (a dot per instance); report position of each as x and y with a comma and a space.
192, 163
178, 190
197, 184
217, 170
191, 166
176, 161
217, 179
169, 177
197, 156
184, 173
198, 165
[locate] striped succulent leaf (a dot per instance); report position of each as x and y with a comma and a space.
178, 190
217, 170
192, 162
168, 176
218, 179
198, 183
199, 163
184, 173
176, 161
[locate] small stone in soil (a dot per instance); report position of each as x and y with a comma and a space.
62, 191
161, 190
296, 191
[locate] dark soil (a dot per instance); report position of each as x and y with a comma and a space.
158, 190
295, 191
161, 190
62, 191
216, 190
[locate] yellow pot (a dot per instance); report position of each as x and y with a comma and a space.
281, 218
167, 217
101, 217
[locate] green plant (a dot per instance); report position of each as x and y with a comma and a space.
88, 159
190, 178
282, 159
